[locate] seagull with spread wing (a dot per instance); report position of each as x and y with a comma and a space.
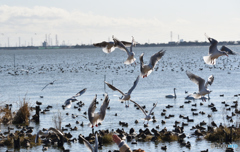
109, 47
51, 83
147, 69
125, 96
214, 53
147, 116
68, 102
94, 117
89, 146
130, 52
202, 86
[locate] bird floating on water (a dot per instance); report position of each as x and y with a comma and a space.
172, 96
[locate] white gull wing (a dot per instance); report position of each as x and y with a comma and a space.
134, 85
155, 58
114, 88
196, 79
103, 108
133, 44
139, 107
87, 144
209, 81
92, 109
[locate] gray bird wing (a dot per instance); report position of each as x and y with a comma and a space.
120, 45
114, 88
81, 92
127, 44
92, 108
139, 107
102, 44
153, 108
134, 85
155, 58
196, 79
87, 144
104, 107
56, 131
228, 51
141, 61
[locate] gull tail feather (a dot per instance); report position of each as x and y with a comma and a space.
208, 60
197, 96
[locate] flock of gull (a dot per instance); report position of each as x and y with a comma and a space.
145, 70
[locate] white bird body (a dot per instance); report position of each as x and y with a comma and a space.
95, 118
147, 69
125, 96
202, 86
147, 116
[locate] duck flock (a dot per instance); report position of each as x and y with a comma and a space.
96, 119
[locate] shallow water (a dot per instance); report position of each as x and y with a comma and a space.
85, 68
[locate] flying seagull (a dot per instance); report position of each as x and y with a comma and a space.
69, 101
202, 86
147, 69
88, 145
51, 83
130, 53
94, 117
125, 96
109, 47
214, 53
147, 116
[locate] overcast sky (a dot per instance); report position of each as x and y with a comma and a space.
91, 21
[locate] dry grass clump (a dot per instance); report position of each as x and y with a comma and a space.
167, 137
220, 134
107, 138
23, 114
57, 120
5, 115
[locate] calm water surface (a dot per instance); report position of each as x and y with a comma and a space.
85, 68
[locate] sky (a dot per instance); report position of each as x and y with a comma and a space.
71, 22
